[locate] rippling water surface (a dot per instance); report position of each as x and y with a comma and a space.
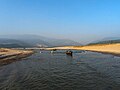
46, 71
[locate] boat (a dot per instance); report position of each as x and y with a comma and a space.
69, 52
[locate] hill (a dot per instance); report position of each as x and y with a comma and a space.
34, 41
12, 43
106, 42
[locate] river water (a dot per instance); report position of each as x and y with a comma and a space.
46, 71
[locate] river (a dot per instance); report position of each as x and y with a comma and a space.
57, 71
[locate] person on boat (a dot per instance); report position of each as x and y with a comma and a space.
69, 52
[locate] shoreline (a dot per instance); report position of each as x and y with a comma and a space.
11, 55
109, 53
113, 49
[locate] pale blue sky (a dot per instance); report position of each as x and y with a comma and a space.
80, 20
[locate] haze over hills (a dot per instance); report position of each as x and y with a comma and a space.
108, 40
33, 41
10, 43
23, 41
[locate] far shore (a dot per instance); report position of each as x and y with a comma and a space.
11, 55
102, 48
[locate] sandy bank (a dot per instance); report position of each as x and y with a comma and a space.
11, 55
104, 48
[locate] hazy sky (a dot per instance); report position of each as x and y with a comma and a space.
80, 20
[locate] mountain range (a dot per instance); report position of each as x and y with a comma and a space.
28, 41
108, 40
23, 41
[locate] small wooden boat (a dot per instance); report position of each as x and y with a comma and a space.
69, 52
54, 50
